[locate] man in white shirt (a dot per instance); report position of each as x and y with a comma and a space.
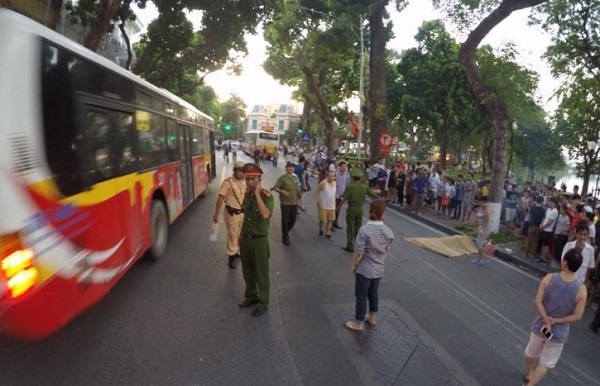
586, 250
547, 229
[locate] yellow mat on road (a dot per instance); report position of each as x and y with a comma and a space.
449, 246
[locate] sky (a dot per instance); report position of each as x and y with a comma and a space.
255, 86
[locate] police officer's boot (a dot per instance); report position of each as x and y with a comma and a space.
232, 261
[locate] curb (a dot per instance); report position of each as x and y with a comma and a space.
517, 261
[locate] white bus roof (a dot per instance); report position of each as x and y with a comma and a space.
19, 22
262, 131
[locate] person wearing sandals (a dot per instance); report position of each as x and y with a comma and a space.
371, 248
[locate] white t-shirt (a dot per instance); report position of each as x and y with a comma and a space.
588, 258
592, 233
551, 214
327, 195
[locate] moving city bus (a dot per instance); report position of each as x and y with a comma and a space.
262, 140
95, 164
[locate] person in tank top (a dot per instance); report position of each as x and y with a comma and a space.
326, 204
560, 301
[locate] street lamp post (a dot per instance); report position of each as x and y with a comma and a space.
361, 74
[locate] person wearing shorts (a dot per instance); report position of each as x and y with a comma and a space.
326, 204
560, 301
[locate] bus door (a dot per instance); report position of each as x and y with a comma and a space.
185, 158
110, 165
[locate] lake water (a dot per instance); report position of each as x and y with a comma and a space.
571, 180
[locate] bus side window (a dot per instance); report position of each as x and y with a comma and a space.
153, 143
196, 141
125, 152
172, 141
98, 133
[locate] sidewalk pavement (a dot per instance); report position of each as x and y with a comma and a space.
511, 252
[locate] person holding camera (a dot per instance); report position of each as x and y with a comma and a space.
560, 301
231, 192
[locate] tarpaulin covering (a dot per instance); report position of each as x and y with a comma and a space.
449, 246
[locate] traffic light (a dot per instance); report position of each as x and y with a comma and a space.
300, 128
228, 126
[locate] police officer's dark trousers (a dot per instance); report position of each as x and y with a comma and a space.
353, 224
288, 219
255, 266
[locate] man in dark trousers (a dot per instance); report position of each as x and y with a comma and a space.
254, 240
289, 191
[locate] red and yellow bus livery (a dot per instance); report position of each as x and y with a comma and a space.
95, 163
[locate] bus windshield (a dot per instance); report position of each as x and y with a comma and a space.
269, 136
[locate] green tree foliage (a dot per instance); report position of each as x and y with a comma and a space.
535, 145
432, 90
99, 17
486, 15
432, 87
576, 122
172, 55
574, 57
205, 99
233, 114
315, 52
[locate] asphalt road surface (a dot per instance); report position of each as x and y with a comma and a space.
176, 321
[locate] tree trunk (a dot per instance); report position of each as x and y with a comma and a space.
322, 106
444, 140
128, 43
531, 175
107, 9
378, 117
510, 151
488, 98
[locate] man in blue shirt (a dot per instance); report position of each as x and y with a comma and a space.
420, 184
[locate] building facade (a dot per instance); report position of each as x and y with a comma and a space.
276, 118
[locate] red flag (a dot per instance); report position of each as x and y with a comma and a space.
354, 125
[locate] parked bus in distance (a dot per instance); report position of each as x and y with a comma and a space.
260, 139
95, 164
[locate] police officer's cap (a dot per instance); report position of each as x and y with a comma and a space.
251, 169
238, 165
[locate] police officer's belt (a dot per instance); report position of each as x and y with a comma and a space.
233, 211
254, 237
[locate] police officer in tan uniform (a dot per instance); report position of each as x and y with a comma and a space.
231, 193
254, 241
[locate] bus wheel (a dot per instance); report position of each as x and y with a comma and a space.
159, 230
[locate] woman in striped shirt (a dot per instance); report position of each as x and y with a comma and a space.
370, 250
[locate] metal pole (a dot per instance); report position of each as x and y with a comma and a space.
360, 90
